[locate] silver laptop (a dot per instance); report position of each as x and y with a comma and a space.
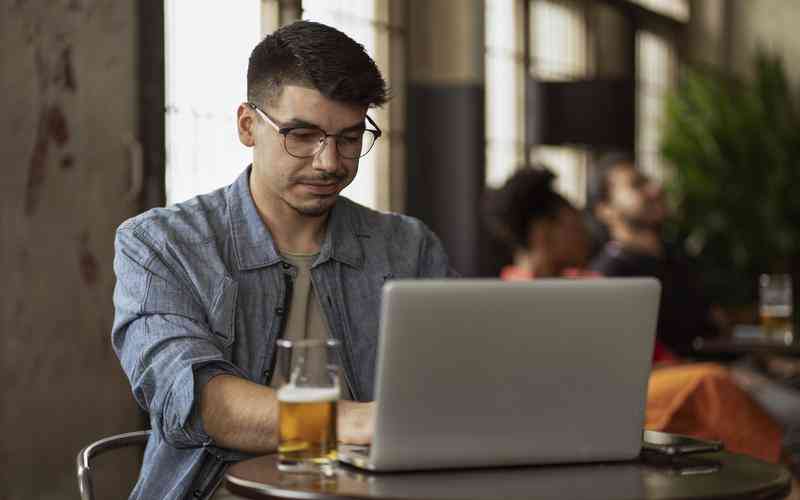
478, 373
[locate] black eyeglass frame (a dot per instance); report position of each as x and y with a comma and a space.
284, 131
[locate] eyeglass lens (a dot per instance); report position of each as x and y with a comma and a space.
306, 142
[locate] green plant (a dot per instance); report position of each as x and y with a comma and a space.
735, 148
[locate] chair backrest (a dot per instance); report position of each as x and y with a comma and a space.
86, 455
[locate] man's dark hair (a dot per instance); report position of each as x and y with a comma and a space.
317, 56
597, 185
527, 196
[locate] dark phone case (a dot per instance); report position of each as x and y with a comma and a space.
675, 444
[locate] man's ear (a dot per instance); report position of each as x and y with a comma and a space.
246, 124
604, 213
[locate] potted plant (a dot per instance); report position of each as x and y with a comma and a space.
735, 149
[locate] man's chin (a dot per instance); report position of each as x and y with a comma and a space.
315, 208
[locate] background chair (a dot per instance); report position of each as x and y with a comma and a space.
99, 447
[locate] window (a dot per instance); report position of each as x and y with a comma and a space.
558, 40
562, 48
377, 25
656, 68
505, 84
558, 51
205, 82
675, 9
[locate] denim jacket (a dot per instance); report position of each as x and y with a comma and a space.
202, 290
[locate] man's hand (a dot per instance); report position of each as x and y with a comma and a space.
356, 422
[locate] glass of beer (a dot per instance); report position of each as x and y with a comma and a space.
308, 389
775, 304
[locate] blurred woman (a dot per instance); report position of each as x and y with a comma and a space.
543, 231
547, 238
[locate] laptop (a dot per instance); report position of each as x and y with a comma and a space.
483, 373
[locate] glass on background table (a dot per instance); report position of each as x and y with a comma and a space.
773, 335
775, 307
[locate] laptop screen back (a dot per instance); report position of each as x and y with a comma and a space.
484, 372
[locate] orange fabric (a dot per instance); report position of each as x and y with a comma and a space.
702, 400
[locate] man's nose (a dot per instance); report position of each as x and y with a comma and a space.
327, 158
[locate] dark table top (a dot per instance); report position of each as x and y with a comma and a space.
707, 476
746, 339
726, 347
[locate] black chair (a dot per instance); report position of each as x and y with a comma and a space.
86, 455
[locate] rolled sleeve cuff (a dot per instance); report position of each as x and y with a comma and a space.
187, 430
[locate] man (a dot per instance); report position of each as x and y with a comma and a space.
206, 287
633, 209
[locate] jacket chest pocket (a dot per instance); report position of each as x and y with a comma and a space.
222, 316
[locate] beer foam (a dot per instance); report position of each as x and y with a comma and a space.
294, 394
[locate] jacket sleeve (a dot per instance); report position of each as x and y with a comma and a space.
162, 338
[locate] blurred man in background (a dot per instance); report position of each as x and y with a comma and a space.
633, 209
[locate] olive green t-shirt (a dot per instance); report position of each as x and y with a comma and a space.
306, 319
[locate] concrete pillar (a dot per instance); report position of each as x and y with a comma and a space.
69, 76
709, 32
445, 124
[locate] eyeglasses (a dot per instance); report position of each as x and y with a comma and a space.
306, 141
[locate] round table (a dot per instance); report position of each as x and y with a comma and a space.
706, 476
737, 346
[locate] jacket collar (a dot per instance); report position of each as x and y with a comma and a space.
342, 236
254, 246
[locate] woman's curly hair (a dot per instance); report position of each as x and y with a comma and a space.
527, 196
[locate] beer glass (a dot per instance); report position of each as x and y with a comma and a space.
308, 389
775, 304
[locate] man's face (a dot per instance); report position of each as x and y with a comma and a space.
634, 199
308, 186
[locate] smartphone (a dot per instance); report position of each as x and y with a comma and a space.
675, 444
681, 465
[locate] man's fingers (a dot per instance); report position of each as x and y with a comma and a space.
356, 422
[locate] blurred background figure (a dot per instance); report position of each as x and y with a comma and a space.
633, 209
544, 233
547, 237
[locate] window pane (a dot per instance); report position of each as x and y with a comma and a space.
558, 41
505, 71
206, 79
656, 74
